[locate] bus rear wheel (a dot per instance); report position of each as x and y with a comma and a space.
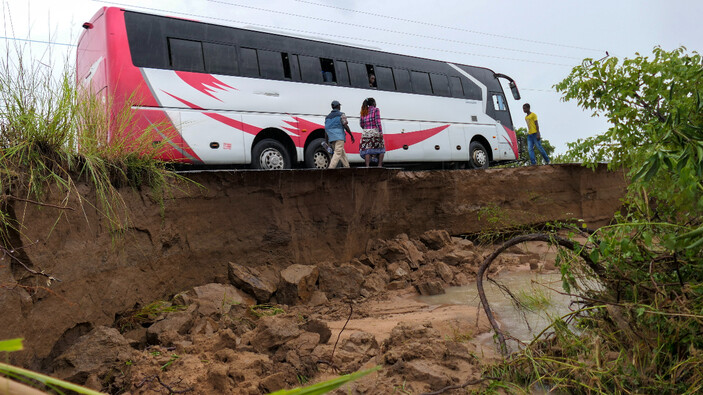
315, 156
269, 154
478, 156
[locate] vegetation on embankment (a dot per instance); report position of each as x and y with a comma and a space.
637, 328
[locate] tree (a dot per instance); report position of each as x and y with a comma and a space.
640, 324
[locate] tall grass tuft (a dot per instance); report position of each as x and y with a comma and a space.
53, 135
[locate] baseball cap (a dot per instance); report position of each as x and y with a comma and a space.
335, 103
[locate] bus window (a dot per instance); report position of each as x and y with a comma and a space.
456, 87
342, 73
440, 85
310, 69
371, 76
186, 55
286, 66
402, 80
499, 102
384, 78
271, 64
421, 82
220, 59
358, 75
328, 73
249, 62
294, 68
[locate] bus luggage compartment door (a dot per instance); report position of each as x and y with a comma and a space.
216, 137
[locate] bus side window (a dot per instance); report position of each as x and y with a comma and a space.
358, 75
456, 87
287, 74
371, 76
328, 72
421, 82
220, 59
440, 84
249, 62
342, 73
186, 55
310, 69
271, 64
499, 102
402, 80
384, 78
294, 68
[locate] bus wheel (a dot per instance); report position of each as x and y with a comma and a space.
315, 156
269, 154
478, 156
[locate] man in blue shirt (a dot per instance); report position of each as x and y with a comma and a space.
335, 126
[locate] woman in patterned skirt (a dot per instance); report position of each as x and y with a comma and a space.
372, 144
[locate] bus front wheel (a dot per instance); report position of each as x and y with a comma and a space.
269, 154
315, 156
478, 156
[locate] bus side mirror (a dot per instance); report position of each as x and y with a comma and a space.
513, 88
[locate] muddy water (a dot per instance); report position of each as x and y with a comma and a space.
521, 324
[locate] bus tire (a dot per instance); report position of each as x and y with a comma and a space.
315, 156
269, 154
478, 156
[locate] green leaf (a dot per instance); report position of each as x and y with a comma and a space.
11, 345
326, 386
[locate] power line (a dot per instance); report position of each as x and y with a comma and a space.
390, 30
447, 27
36, 41
335, 35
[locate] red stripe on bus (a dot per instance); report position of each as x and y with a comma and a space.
204, 83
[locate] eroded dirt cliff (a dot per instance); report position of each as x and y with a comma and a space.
267, 221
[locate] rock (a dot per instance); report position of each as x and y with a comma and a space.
361, 343
274, 382
402, 249
459, 257
436, 239
318, 298
180, 322
217, 299
444, 272
271, 332
305, 343
427, 372
319, 327
512, 260
534, 264
251, 281
395, 285
549, 265
97, 351
374, 283
430, 287
340, 282
461, 279
398, 271
297, 284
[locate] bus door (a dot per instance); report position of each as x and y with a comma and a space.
217, 137
403, 141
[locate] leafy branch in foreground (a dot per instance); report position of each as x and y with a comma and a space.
638, 328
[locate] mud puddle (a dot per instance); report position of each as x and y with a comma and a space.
536, 291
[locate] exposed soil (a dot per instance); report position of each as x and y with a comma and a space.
309, 245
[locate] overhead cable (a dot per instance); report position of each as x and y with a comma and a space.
390, 30
446, 27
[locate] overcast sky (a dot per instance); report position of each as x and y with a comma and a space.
535, 42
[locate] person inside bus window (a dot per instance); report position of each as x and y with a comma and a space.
372, 81
335, 126
371, 147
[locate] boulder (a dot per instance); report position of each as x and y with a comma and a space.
361, 343
341, 282
214, 298
374, 284
398, 271
436, 239
444, 272
173, 324
427, 372
459, 257
297, 284
251, 281
319, 327
95, 352
430, 287
272, 332
402, 249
